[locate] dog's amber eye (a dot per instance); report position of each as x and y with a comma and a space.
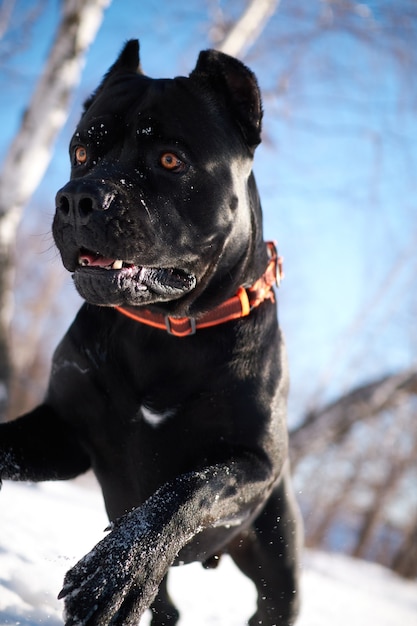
80, 155
171, 162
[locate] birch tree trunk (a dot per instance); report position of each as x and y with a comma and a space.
246, 30
31, 150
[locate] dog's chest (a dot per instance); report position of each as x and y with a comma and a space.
155, 417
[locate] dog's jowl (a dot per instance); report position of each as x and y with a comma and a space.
171, 382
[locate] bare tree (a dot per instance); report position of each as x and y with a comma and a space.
31, 149
329, 425
361, 452
16, 26
34, 332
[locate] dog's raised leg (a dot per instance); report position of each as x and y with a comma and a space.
268, 554
163, 610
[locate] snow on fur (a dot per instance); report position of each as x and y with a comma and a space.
45, 529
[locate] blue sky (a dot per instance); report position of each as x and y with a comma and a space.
336, 173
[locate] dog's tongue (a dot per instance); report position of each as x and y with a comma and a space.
89, 258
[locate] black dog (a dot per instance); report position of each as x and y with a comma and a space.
171, 383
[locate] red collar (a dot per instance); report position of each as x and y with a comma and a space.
240, 305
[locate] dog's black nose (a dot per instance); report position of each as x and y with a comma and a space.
78, 199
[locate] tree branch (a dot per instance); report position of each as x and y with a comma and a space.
329, 425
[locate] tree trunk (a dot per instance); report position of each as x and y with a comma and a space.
248, 27
316, 536
405, 561
374, 513
31, 150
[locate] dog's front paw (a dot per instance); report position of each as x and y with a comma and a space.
113, 584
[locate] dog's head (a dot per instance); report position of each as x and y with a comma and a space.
162, 208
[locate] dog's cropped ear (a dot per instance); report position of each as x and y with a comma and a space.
128, 61
239, 87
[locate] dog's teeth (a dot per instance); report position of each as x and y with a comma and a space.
117, 265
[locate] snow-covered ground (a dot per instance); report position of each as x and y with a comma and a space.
45, 528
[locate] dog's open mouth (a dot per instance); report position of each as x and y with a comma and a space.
116, 281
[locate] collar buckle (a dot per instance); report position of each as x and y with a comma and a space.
171, 322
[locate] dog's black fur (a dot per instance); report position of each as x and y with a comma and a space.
187, 436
